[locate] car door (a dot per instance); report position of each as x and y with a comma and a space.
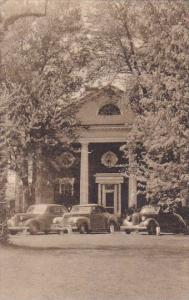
52, 212
97, 219
168, 222
164, 221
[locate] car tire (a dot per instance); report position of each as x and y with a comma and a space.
152, 228
187, 229
83, 229
112, 227
12, 232
127, 232
46, 231
33, 228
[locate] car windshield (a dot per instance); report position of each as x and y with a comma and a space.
81, 209
37, 209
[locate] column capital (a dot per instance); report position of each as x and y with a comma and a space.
84, 143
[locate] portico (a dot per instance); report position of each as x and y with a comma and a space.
96, 171
109, 185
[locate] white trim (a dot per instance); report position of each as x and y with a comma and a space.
84, 174
109, 178
102, 140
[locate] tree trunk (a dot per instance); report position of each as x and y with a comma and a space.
26, 196
33, 181
3, 181
24, 175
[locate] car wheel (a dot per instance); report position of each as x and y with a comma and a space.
83, 228
152, 228
46, 231
112, 227
13, 232
127, 232
187, 229
33, 228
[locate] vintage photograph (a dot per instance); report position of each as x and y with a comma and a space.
94, 149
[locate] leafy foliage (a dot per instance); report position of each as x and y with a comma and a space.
44, 64
151, 40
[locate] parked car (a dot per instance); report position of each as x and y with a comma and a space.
38, 218
151, 219
86, 218
183, 211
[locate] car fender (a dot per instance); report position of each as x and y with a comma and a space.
57, 220
180, 218
82, 220
127, 223
11, 222
14, 221
33, 220
113, 219
149, 220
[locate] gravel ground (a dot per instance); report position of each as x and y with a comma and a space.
96, 266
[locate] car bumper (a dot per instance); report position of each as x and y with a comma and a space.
17, 229
64, 228
132, 228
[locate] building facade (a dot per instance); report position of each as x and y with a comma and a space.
93, 169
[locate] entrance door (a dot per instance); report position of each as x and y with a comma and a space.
109, 201
109, 191
110, 197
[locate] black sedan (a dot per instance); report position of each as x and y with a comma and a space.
153, 220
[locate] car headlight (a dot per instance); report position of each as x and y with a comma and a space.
143, 218
125, 222
10, 223
55, 221
128, 218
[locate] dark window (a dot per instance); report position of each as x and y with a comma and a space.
110, 199
95, 209
109, 110
67, 189
101, 209
62, 210
54, 210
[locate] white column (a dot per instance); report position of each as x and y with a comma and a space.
103, 195
119, 210
84, 174
99, 194
132, 182
116, 198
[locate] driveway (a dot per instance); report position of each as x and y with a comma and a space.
96, 266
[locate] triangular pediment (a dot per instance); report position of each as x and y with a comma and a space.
96, 98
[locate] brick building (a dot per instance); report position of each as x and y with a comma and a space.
92, 170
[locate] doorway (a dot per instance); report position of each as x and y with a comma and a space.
110, 197
109, 191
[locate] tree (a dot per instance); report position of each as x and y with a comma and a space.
150, 42
4, 23
45, 72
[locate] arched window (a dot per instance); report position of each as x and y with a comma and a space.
109, 110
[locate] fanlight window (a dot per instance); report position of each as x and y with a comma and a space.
109, 110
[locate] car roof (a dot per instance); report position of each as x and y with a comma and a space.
46, 204
87, 204
150, 206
